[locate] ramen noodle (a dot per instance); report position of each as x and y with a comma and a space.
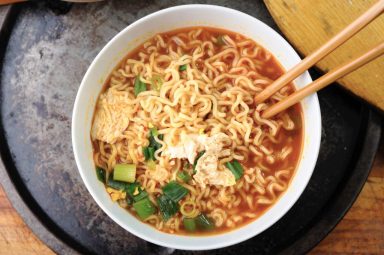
179, 141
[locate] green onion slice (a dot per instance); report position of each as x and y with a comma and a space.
144, 208
167, 207
129, 200
152, 142
142, 194
151, 153
235, 167
139, 86
183, 68
201, 153
136, 192
124, 172
153, 131
100, 173
130, 188
117, 185
146, 153
151, 165
175, 191
189, 224
204, 223
184, 176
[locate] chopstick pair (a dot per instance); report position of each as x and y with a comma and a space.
317, 55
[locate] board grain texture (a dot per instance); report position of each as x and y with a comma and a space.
309, 24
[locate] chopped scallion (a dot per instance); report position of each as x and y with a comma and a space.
152, 142
184, 176
154, 131
141, 195
117, 185
235, 167
100, 172
183, 68
129, 200
151, 165
151, 153
238, 168
175, 191
124, 172
134, 191
139, 86
204, 223
201, 153
189, 224
144, 208
167, 207
146, 153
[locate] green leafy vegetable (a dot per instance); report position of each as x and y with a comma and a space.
167, 207
134, 191
146, 153
189, 224
118, 185
100, 173
175, 191
144, 208
130, 188
183, 68
201, 153
139, 86
239, 168
142, 194
235, 167
129, 200
204, 223
152, 142
124, 172
151, 164
151, 152
184, 176
153, 131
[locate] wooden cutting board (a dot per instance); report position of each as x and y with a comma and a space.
308, 24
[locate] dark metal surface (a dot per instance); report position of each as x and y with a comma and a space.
44, 62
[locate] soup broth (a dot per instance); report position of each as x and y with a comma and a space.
177, 116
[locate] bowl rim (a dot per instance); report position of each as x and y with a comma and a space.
213, 245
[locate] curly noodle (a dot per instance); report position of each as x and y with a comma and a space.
215, 93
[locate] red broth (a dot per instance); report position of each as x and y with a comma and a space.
268, 68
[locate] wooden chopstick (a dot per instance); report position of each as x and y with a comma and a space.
324, 81
321, 52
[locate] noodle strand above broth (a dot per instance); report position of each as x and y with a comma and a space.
179, 141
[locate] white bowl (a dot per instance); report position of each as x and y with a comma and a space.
134, 35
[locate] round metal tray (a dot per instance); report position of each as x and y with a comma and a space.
43, 59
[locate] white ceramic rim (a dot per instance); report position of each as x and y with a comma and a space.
309, 154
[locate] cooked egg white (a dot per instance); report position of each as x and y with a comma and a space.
207, 171
111, 117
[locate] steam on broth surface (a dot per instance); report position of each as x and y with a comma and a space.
178, 140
